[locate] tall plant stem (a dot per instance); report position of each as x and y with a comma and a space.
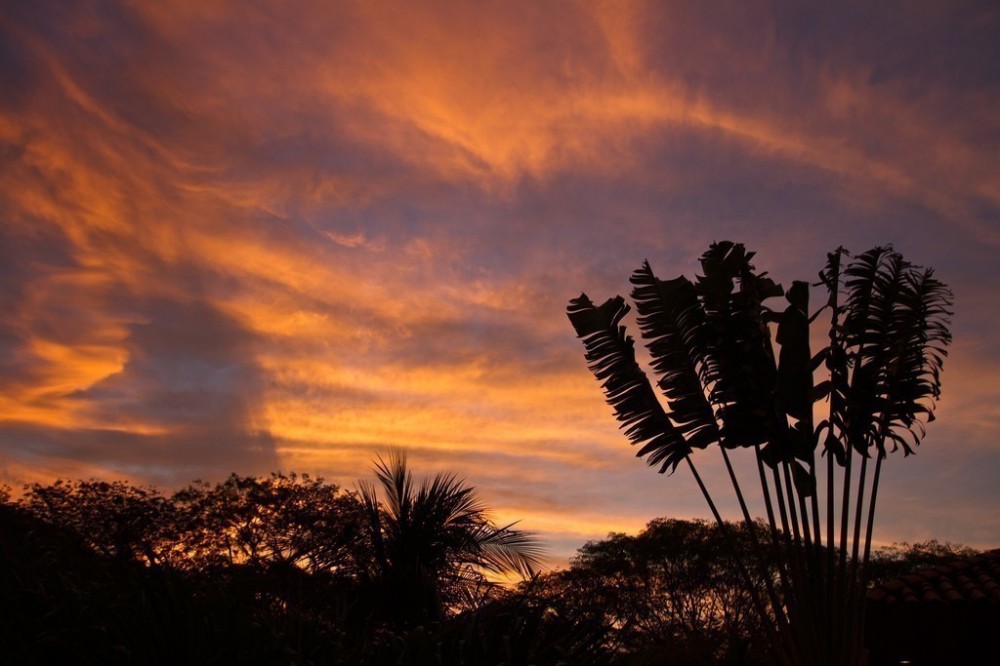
845, 512
814, 506
829, 590
858, 514
871, 513
854, 594
802, 586
792, 550
751, 526
812, 561
840, 582
792, 563
868, 543
793, 513
755, 542
817, 550
768, 506
736, 487
814, 502
776, 544
838, 380
772, 524
779, 497
754, 595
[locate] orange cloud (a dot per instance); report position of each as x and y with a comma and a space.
344, 226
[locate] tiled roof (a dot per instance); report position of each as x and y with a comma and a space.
974, 580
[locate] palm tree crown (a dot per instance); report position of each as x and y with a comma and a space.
432, 544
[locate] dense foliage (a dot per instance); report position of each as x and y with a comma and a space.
673, 589
284, 570
278, 569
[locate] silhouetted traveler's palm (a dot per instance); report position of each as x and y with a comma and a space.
726, 383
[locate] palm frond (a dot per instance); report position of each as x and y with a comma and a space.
434, 540
918, 338
672, 324
446, 500
372, 514
834, 357
397, 482
897, 329
507, 550
740, 362
873, 282
610, 355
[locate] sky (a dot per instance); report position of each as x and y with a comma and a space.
254, 236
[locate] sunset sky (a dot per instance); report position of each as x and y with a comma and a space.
254, 236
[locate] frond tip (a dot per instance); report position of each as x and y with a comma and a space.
896, 330
610, 355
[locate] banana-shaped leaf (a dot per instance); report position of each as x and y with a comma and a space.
873, 281
795, 385
740, 363
610, 355
672, 323
917, 341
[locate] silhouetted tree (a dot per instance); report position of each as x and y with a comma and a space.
116, 519
890, 562
67, 603
673, 588
725, 383
260, 522
302, 585
431, 545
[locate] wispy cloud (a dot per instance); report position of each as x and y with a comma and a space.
247, 237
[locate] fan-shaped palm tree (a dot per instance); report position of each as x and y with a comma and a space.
432, 544
723, 383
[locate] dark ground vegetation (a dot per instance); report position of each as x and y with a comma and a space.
287, 570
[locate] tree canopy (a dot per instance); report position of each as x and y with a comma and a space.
282, 569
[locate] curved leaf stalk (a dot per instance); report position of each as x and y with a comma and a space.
817, 531
862, 323
840, 589
736, 487
776, 539
859, 581
798, 600
807, 594
854, 596
811, 557
868, 542
835, 359
776, 605
748, 521
782, 629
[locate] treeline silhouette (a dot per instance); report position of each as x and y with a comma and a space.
288, 569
